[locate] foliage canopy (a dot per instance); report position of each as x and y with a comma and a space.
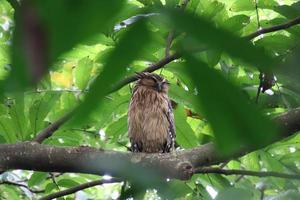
67, 56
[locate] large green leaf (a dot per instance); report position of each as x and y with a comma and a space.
204, 32
185, 135
249, 5
133, 43
235, 193
235, 121
40, 109
53, 27
117, 128
83, 72
37, 178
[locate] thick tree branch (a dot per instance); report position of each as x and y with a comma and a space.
78, 188
283, 26
213, 170
34, 156
21, 185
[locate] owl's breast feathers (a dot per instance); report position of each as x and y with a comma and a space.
150, 121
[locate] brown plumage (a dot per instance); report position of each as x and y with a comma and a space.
150, 117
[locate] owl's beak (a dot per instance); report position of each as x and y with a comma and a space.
159, 87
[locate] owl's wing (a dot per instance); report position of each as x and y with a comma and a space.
172, 133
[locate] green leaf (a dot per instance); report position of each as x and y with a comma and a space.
182, 97
133, 43
83, 72
17, 114
117, 128
210, 9
289, 11
56, 26
234, 121
50, 187
40, 109
218, 39
236, 23
115, 105
37, 178
178, 69
67, 183
185, 135
180, 189
251, 161
277, 43
249, 5
235, 193
7, 129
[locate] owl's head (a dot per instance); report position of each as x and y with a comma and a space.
153, 81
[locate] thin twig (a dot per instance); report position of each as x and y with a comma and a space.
78, 188
169, 42
283, 26
257, 15
53, 180
21, 185
213, 170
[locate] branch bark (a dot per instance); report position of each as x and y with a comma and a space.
213, 170
78, 188
180, 165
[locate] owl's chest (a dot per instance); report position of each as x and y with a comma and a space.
149, 103
148, 125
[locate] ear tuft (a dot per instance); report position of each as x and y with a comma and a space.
141, 75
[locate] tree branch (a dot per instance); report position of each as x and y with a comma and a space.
180, 165
21, 185
283, 26
48, 131
78, 188
151, 68
212, 170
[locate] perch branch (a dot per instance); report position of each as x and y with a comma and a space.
37, 157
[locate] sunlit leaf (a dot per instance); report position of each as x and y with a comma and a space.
185, 135
37, 178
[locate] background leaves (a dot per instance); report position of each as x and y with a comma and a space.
57, 55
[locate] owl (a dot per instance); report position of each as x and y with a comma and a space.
151, 126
